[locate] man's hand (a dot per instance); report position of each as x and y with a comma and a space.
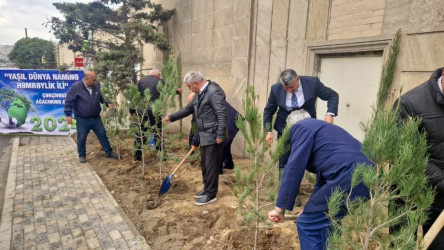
219, 141
166, 119
269, 138
111, 106
179, 91
328, 118
276, 215
69, 119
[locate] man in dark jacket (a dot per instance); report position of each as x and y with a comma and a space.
232, 129
427, 102
151, 81
85, 98
295, 92
332, 154
208, 106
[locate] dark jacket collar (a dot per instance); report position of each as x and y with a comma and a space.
433, 86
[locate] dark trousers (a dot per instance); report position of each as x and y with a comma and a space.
211, 160
314, 229
438, 243
84, 125
142, 135
227, 157
284, 158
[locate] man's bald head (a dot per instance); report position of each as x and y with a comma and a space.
89, 78
154, 72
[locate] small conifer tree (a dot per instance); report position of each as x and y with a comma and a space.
179, 85
167, 91
398, 151
138, 106
115, 119
256, 186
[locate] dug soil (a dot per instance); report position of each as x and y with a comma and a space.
173, 221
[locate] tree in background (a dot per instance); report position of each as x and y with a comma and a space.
109, 31
33, 53
256, 187
399, 154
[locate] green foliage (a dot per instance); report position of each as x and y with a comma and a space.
138, 105
115, 119
388, 70
167, 91
27, 53
9, 94
111, 30
399, 154
179, 85
398, 151
256, 186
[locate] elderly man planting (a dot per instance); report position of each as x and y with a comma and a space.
208, 107
331, 153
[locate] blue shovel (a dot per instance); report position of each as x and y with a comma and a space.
166, 184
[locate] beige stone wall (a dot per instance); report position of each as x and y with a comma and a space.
247, 42
66, 56
211, 36
421, 50
355, 18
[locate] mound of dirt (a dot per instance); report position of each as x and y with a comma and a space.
173, 221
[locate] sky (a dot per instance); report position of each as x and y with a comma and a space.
16, 15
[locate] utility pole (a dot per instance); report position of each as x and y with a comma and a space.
26, 33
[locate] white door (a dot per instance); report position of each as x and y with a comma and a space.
356, 80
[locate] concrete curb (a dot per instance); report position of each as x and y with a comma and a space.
8, 206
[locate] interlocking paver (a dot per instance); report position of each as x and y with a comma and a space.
57, 203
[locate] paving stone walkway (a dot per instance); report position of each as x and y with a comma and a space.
54, 202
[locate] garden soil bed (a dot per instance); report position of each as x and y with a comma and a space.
173, 221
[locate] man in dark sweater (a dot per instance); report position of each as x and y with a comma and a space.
85, 98
149, 82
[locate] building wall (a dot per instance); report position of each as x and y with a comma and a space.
355, 18
248, 42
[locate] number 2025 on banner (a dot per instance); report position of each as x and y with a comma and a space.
50, 124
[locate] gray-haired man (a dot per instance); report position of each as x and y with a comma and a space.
208, 106
295, 92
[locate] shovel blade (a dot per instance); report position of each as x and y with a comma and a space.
166, 184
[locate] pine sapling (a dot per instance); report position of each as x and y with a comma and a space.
115, 119
256, 186
139, 129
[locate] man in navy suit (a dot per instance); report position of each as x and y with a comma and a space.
331, 153
292, 93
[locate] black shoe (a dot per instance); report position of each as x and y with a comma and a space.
205, 200
199, 194
229, 166
82, 159
112, 155
138, 158
221, 171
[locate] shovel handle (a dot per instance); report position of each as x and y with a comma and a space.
183, 160
433, 231
290, 217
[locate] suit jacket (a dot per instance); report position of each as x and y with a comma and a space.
326, 150
210, 114
312, 89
